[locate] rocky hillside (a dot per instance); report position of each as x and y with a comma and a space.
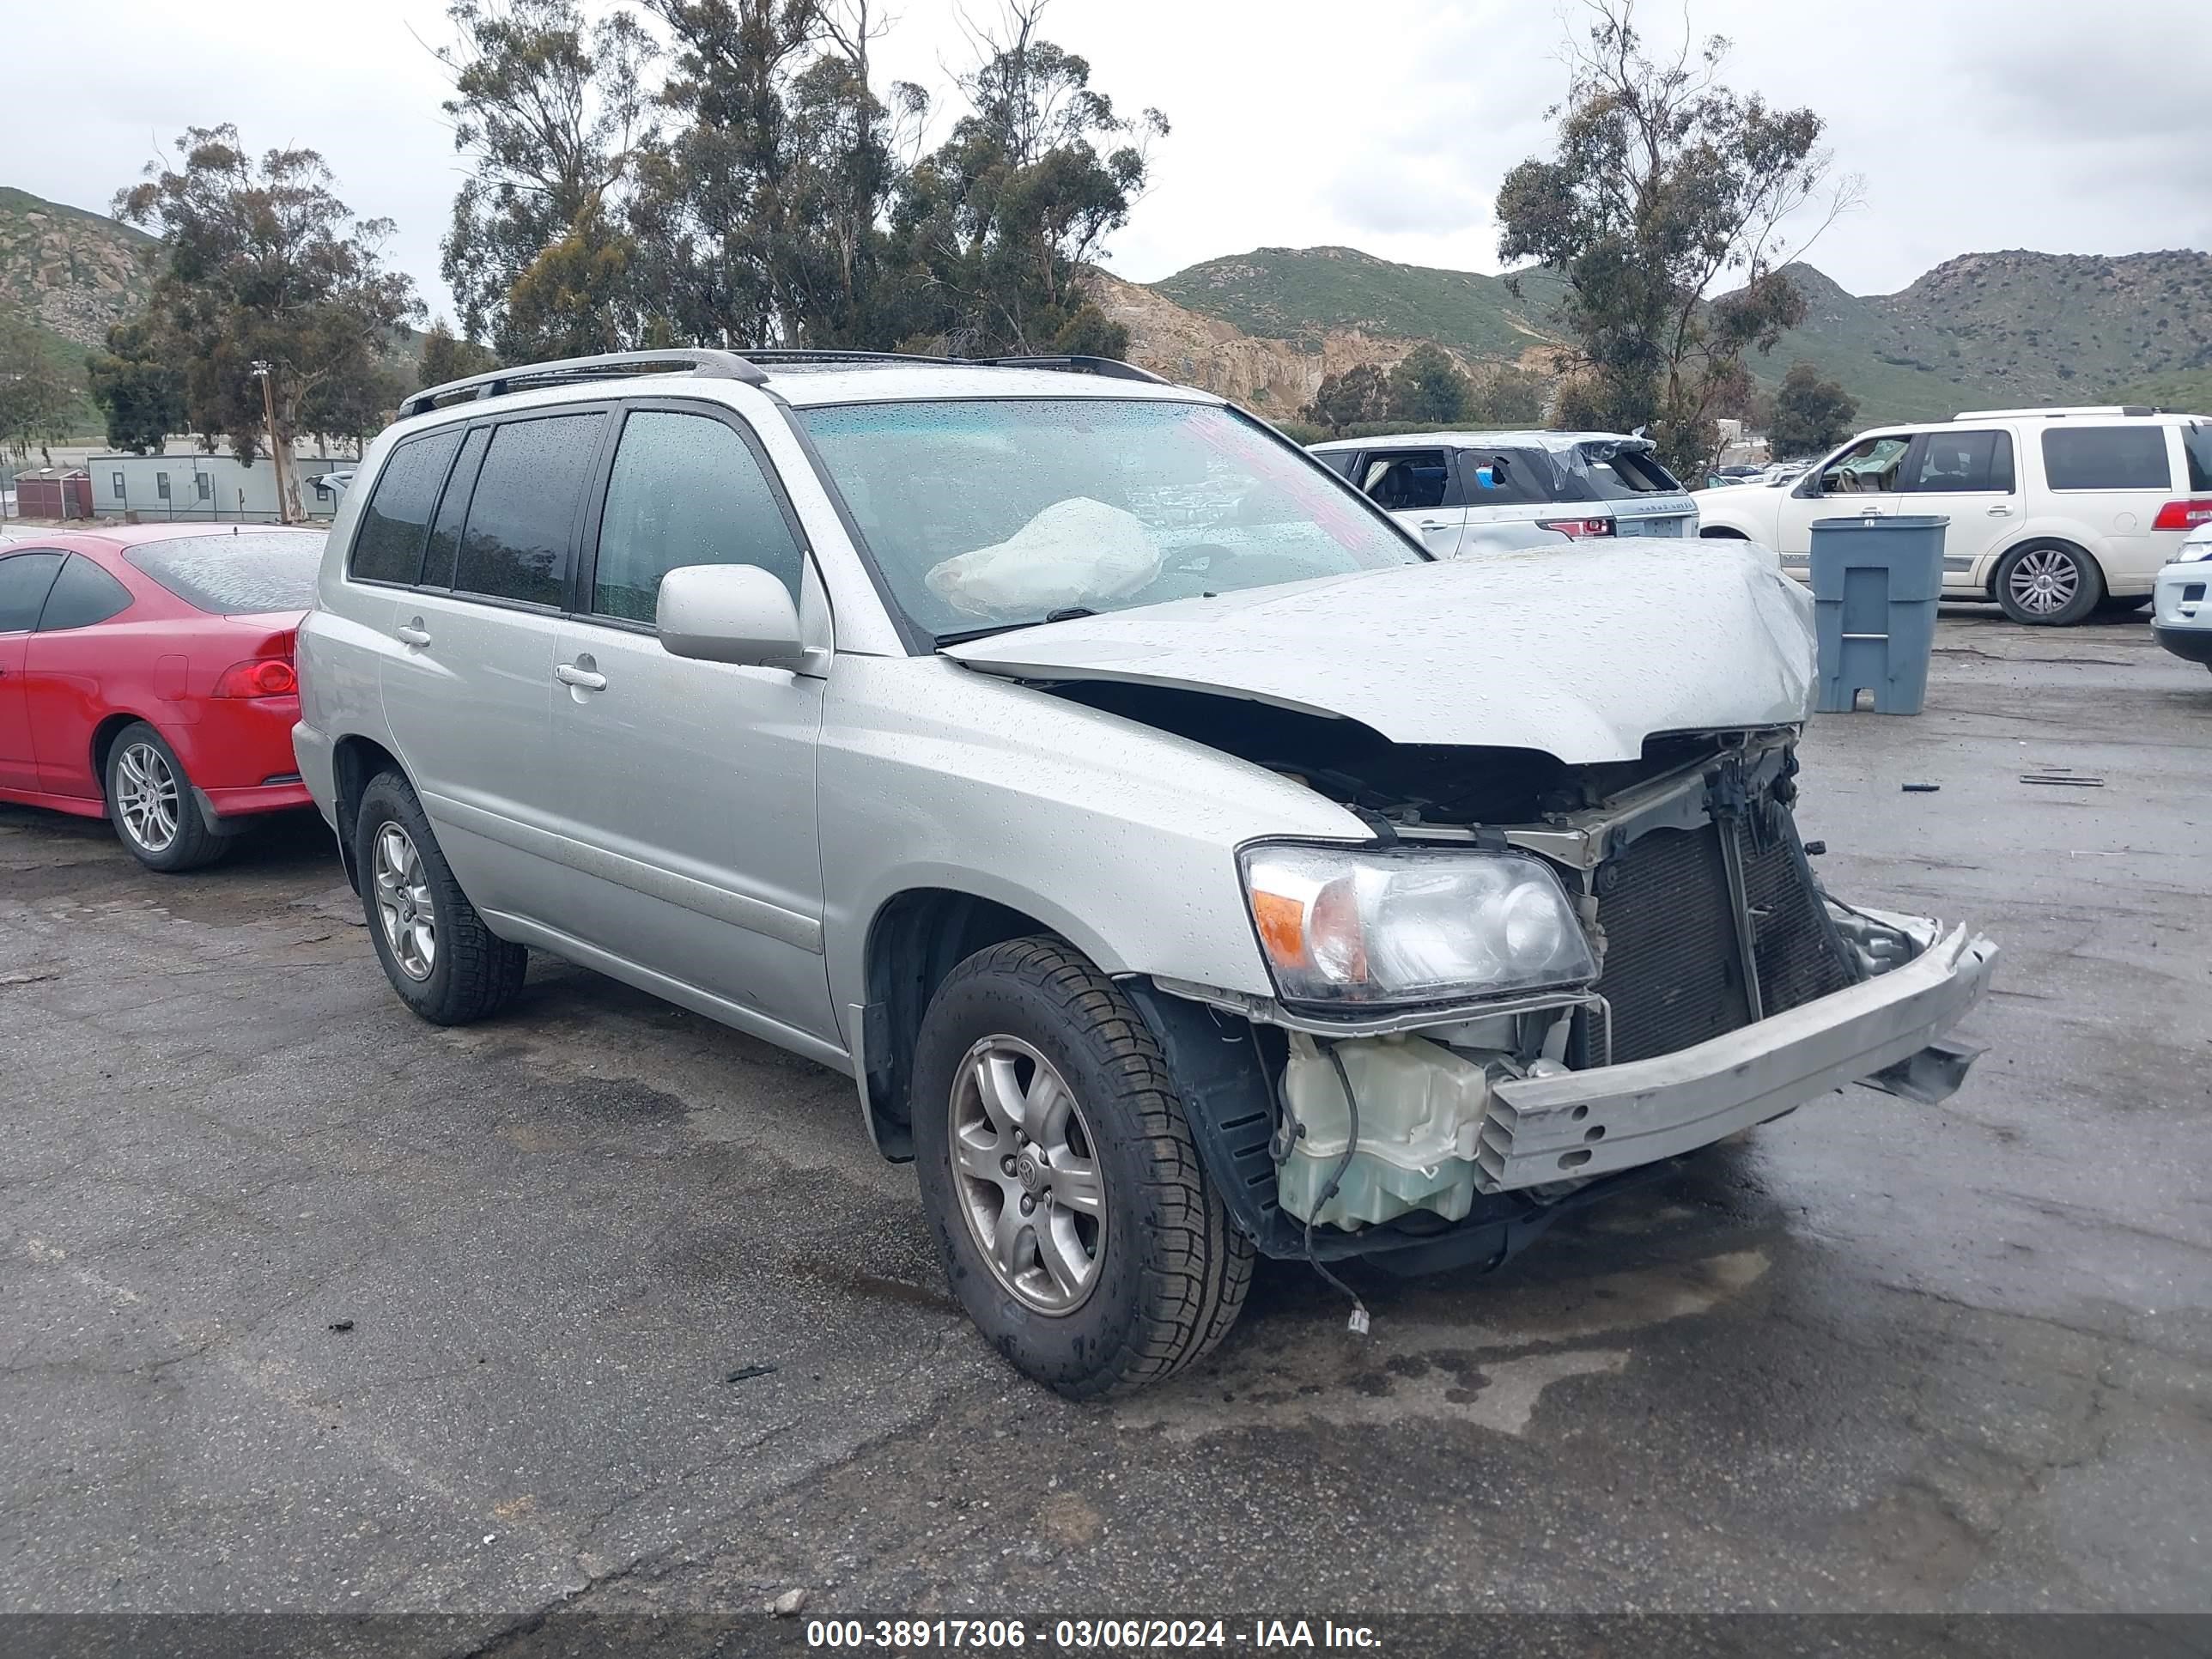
2053, 325
72, 273
1303, 293
1274, 378
2012, 327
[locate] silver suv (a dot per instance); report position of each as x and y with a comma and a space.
1114, 793
1466, 493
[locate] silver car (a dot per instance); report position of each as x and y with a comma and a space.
1114, 793
1481, 492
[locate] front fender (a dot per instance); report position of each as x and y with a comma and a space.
1119, 838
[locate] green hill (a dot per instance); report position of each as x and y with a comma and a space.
1300, 294
2012, 327
71, 276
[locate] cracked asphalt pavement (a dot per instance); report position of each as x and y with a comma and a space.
306, 1306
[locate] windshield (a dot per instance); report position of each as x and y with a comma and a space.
989, 515
236, 575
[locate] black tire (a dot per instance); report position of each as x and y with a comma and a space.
1171, 1273
472, 971
190, 844
2066, 564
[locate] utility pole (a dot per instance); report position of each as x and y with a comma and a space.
277, 458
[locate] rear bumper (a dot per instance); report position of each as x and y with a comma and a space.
1576, 1125
262, 798
311, 750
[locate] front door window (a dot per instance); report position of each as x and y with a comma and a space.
1869, 467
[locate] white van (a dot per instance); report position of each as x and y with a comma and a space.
2055, 513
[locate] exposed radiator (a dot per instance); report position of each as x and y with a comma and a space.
1674, 974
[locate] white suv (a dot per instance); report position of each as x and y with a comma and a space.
2055, 513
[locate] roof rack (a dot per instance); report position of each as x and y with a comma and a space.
746, 366
608, 366
1112, 368
2058, 413
796, 354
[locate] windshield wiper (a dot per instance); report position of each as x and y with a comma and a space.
1067, 614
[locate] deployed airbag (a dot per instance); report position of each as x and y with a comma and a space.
1076, 552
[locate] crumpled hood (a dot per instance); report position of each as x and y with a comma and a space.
1582, 652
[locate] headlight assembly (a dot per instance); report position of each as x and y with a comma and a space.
1411, 925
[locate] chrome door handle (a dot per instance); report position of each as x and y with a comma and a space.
582, 678
1434, 524
413, 633
2000, 513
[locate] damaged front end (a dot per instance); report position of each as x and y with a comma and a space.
1710, 985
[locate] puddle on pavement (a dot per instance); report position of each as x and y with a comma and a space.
1472, 1366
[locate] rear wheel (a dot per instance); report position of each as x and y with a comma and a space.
2049, 584
446, 964
151, 805
1077, 1223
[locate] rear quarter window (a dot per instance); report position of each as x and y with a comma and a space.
388, 547
2196, 445
81, 595
2106, 458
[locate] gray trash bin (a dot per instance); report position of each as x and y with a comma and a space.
1875, 582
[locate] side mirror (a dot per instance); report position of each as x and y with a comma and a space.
732, 613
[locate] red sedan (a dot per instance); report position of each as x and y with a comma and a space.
146, 676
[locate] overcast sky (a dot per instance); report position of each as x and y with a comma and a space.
1384, 125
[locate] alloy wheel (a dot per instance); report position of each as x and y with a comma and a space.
2044, 581
403, 904
147, 798
1027, 1173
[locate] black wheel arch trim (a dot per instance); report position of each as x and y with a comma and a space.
1230, 1106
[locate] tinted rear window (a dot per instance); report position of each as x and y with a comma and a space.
1620, 475
2106, 458
522, 518
2196, 443
81, 595
388, 546
236, 575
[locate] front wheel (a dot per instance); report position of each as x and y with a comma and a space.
151, 804
1076, 1222
2049, 584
